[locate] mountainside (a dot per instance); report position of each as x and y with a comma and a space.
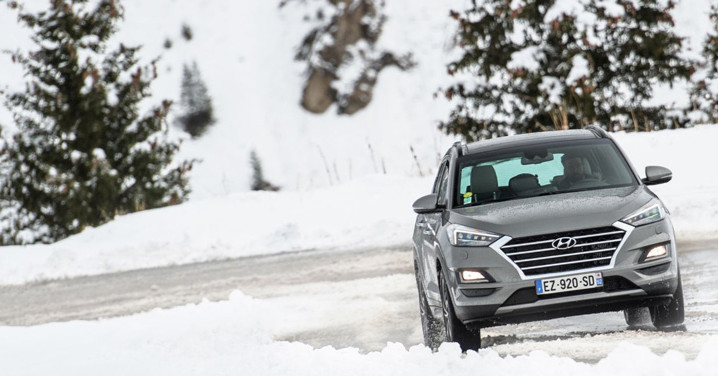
245, 51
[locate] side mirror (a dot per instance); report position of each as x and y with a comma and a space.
657, 175
426, 204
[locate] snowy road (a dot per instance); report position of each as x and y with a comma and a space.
361, 299
124, 293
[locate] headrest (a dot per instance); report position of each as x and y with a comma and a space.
483, 182
523, 182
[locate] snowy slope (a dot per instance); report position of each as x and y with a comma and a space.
246, 55
245, 52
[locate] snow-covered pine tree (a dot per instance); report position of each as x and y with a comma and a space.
704, 94
258, 181
530, 65
83, 153
195, 102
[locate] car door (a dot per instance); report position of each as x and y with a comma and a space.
430, 227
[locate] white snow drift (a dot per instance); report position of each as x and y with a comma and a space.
230, 338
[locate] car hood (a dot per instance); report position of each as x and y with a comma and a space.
555, 213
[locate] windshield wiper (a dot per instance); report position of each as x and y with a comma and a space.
570, 191
492, 201
549, 193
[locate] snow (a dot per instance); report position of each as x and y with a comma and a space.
232, 337
553, 87
611, 8
526, 58
692, 194
575, 8
579, 69
371, 211
329, 166
692, 20
564, 7
348, 183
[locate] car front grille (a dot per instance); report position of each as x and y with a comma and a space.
535, 255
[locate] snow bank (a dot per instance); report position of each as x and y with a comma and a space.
233, 337
692, 195
369, 212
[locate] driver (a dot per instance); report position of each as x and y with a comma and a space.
574, 170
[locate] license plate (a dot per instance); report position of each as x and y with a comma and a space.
568, 283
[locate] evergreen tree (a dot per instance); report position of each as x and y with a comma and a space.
704, 94
83, 153
548, 64
195, 102
187, 33
258, 182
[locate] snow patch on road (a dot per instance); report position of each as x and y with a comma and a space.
213, 338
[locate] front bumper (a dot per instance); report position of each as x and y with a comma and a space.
562, 306
512, 297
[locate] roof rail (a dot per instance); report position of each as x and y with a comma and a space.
461, 148
598, 131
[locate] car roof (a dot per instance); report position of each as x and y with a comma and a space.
527, 139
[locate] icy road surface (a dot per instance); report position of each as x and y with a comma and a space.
361, 299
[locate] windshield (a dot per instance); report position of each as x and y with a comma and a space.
540, 170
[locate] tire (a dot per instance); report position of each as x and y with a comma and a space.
455, 330
671, 314
636, 316
432, 328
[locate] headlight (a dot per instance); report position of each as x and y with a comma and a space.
645, 215
463, 236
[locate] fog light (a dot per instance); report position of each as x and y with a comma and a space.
656, 252
472, 276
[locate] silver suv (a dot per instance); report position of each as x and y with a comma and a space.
540, 226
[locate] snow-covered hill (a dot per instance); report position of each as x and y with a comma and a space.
245, 52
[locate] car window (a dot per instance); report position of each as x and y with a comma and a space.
533, 171
507, 169
443, 187
437, 181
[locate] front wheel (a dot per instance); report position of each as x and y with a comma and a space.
672, 313
432, 328
455, 330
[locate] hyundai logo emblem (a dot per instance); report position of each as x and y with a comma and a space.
564, 243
